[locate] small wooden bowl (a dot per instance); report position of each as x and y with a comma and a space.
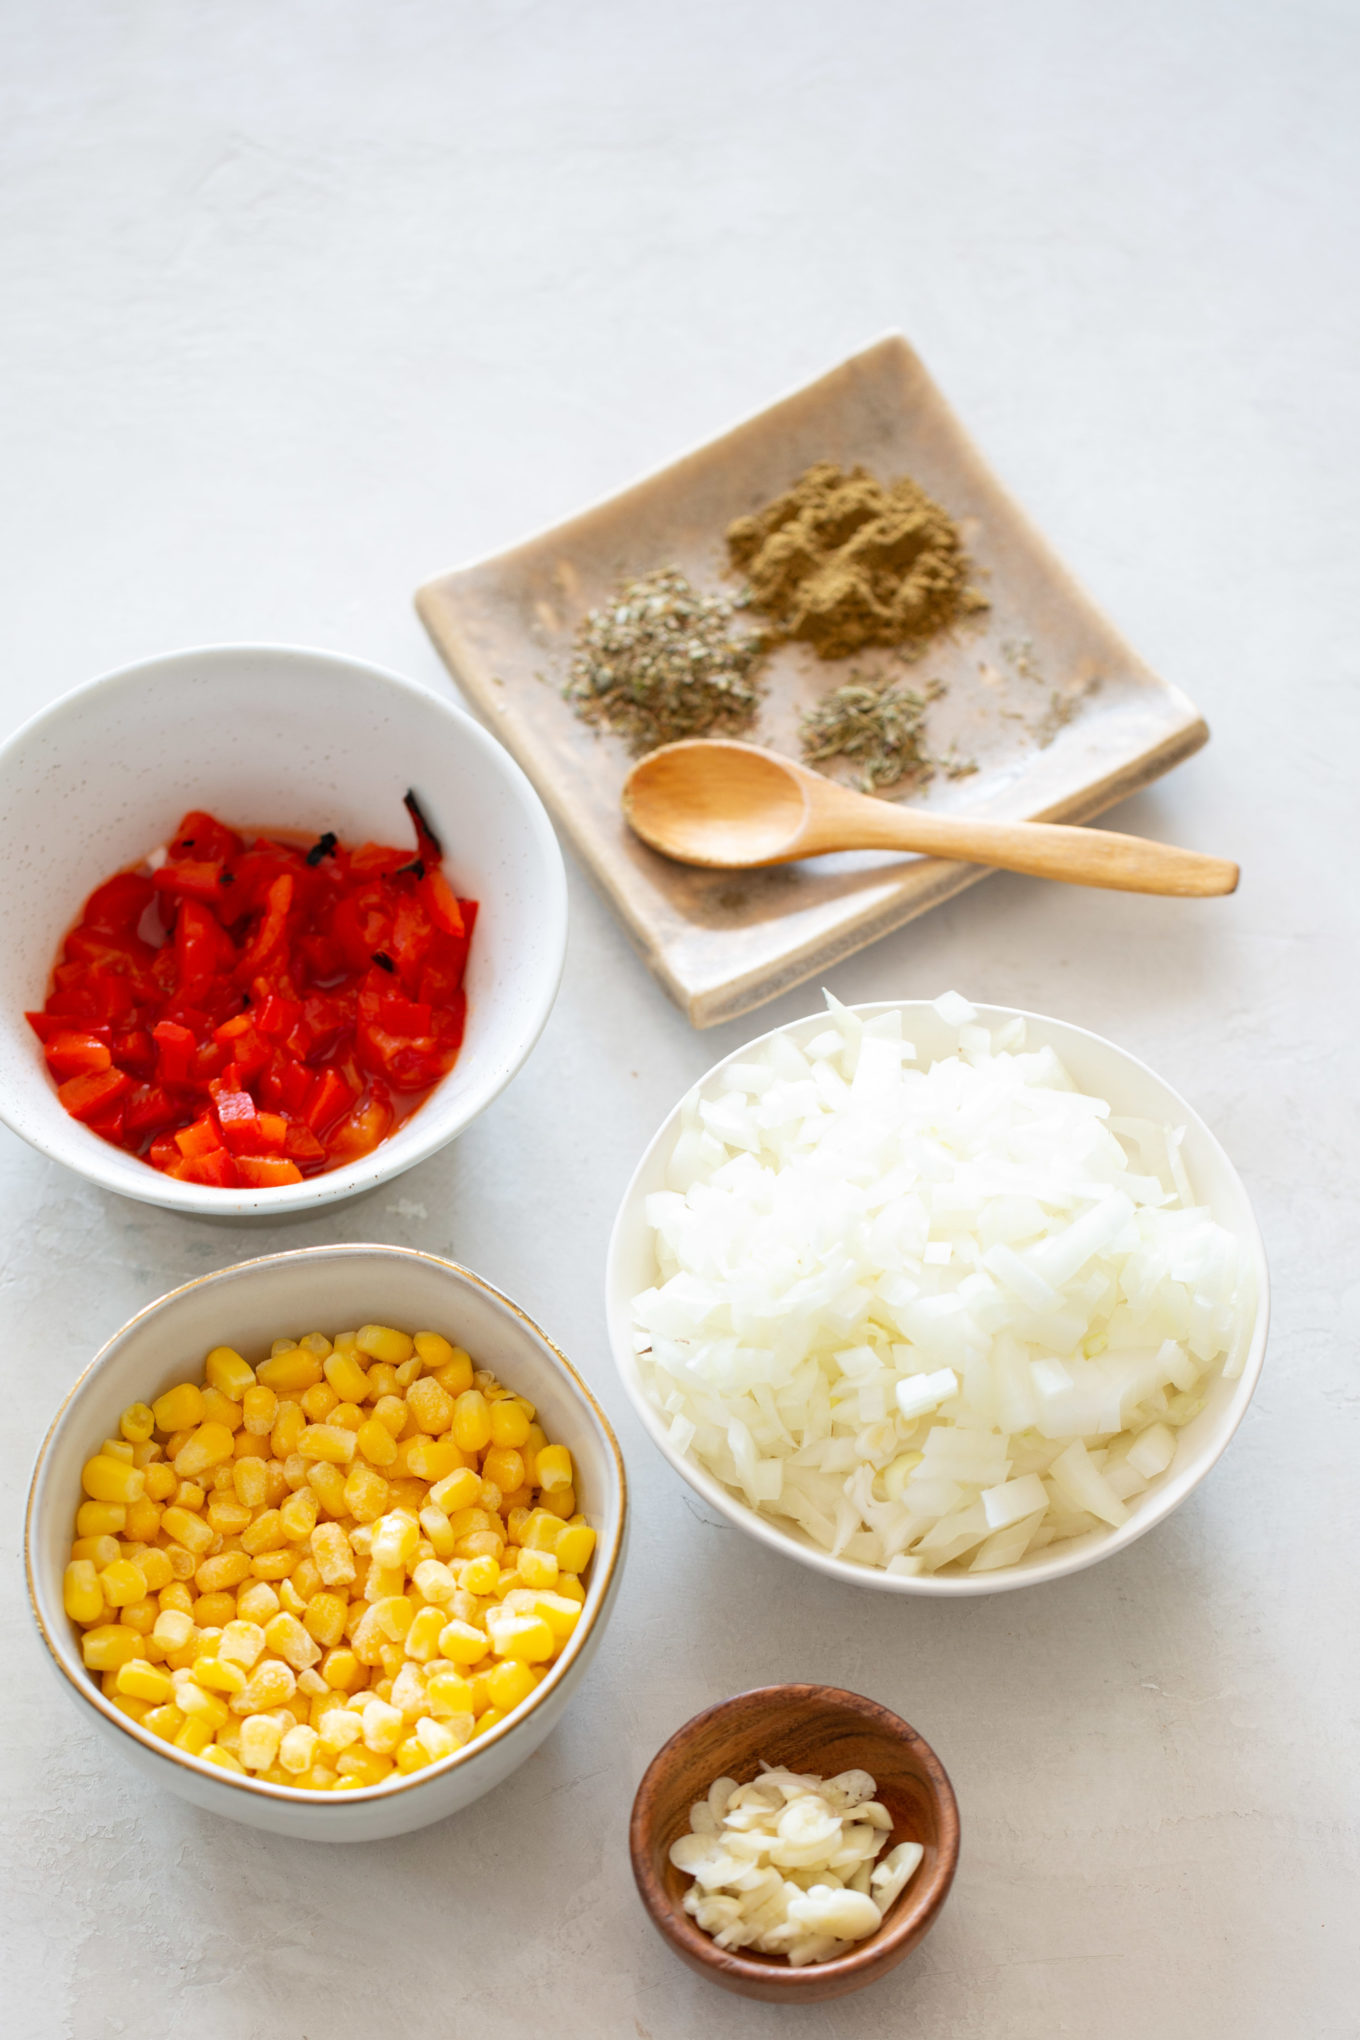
806, 1728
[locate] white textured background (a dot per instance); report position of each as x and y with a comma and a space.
304, 302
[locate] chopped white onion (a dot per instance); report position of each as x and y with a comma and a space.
930, 1315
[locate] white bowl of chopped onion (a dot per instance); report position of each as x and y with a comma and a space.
937, 1298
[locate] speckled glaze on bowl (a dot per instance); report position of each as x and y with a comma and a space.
327, 1289
270, 737
1097, 1066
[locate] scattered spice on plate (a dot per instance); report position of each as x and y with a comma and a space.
880, 726
659, 661
842, 561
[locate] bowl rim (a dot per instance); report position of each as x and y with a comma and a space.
369, 1171
905, 1921
608, 1553
1088, 1550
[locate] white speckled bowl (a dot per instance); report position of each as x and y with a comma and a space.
269, 737
1097, 1066
326, 1289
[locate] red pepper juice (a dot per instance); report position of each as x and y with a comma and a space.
255, 1010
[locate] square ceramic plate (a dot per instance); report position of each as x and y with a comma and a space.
1059, 716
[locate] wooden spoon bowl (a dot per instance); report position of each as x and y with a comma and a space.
821, 1729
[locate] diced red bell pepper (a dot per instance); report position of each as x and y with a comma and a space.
203, 948
84, 1097
135, 1051
70, 1054
273, 1132
330, 1097
199, 1139
208, 883
216, 1168
164, 1153
149, 1108
110, 1124
118, 905
269, 936
201, 835
264, 1171
360, 1132
175, 1050
301, 1145
236, 1115
441, 903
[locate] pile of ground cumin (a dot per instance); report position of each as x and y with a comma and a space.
841, 562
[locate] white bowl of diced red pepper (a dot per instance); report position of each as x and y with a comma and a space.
276, 926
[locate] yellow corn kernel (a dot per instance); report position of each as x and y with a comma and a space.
154, 1567
360, 1767
480, 1544
290, 1600
261, 1735
553, 1468
380, 1342
274, 1565
382, 1581
558, 1501
541, 1531
509, 1683
220, 1409
81, 1594
298, 1515
478, 1575
290, 1372
456, 1375
366, 1492
333, 1554
137, 1423
459, 1490
227, 1516
297, 1749
227, 1570
431, 1405
219, 1675
182, 1562
327, 1483
266, 1533
260, 1409
346, 1377
194, 1737
289, 1426
143, 1520
165, 1722
256, 1602
173, 1628
324, 1619
509, 1425
395, 1614
432, 1459
471, 1421
574, 1546
411, 1755
100, 1519
395, 1538
197, 1703
376, 1442
339, 1730
288, 1639
503, 1466
122, 1583
382, 1380
140, 1615
435, 1524
106, 1479
189, 1495
318, 1401
447, 1692
433, 1350
341, 1670
422, 1638
119, 1448
208, 1446
538, 1568
329, 1442
391, 1412
485, 1721
100, 1551
434, 1581
161, 1482
179, 1409
384, 1727
223, 1759
272, 1684
369, 1639
225, 1370
525, 1637
212, 1611
462, 1644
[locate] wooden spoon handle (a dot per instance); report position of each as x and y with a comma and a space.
1044, 849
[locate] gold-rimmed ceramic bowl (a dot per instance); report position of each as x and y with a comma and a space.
247, 1306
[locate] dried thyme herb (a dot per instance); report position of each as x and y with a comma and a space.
841, 561
881, 728
658, 662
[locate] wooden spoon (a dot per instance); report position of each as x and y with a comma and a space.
715, 802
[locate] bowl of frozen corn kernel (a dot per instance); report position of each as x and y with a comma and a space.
794, 1843
326, 1539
